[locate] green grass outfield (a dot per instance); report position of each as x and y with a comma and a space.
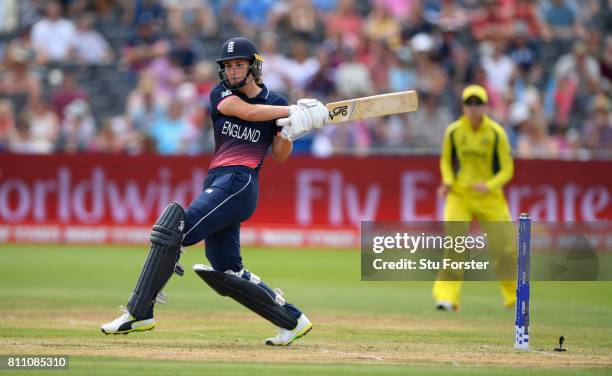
54, 298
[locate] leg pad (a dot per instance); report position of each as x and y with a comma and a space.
247, 293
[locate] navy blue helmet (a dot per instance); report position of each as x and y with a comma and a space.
240, 48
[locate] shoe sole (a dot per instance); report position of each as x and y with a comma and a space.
139, 329
445, 309
300, 335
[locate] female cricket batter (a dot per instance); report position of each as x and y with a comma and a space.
246, 117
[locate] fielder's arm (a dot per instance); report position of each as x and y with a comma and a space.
446, 159
506, 171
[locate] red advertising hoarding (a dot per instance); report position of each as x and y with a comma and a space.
305, 201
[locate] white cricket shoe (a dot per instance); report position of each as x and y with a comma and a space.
446, 306
127, 323
285, 336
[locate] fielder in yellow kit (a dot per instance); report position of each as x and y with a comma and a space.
475, 164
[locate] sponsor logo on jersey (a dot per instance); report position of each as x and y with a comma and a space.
226, 93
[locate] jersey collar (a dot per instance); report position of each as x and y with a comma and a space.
263, 94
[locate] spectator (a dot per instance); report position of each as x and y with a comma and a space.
301, 66
90, 47
325, 6
344, 24
430, 75
187, 51
390, 133
78, 127
597, 130
400, 9
492, 22
18, 82
53, 36
116, 136
499, 68
560, 24
205, 78
169, 130
167, 74
321, 85
380, 25
448, 15
275, 64
497, 102
461, 73
426, 127
68, 92
353, 77
356, 139
7, 124
194, 17
144, 46
106, 141
378, 58
594, 15
44, 124
533, 140
578, 79
150, 12
16, 13
104, 10
416, 23
401, 74
9, 16
143, 106
300, 20
25, 141
198, 136
605, 64
251, 16
523, 51
526, 13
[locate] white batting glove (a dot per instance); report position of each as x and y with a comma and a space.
296, 125
316, 110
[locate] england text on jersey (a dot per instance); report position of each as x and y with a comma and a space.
241, 132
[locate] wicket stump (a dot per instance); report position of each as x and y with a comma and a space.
521, 323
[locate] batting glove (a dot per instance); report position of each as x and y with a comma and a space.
296, 125
316, 110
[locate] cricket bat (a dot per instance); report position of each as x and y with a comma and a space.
373, 106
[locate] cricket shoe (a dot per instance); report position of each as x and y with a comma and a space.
446, 306
127, 323
285, 336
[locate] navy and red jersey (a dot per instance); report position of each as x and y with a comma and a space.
237, 141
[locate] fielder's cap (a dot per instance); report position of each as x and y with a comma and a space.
475, 91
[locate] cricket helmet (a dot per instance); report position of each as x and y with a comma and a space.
240, 48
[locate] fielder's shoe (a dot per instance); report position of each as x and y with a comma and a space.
446, 306
127, 323
285, 336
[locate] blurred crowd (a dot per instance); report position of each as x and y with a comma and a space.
133, 76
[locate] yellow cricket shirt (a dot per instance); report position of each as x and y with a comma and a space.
472, 156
